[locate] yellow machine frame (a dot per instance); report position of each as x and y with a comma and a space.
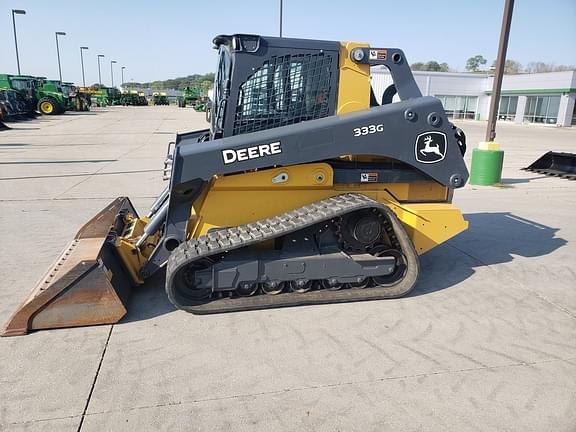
424, 207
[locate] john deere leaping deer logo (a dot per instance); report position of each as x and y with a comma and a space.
430, 147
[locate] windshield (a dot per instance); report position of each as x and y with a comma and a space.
221, 89
19, 84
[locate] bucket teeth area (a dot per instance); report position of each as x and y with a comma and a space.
87, 284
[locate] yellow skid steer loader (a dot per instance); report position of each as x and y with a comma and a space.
307, 188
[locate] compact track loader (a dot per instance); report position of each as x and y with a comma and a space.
307, 188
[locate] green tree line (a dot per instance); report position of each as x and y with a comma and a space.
203, 81
478, 63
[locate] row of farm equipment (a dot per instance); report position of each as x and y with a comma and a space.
24, 96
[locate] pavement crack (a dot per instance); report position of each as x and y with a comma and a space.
95, 379
326, 386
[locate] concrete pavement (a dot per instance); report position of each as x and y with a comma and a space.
486, 342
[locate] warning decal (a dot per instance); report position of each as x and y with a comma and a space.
378, 54
371, 177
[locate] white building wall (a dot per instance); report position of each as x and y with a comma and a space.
566, 109
520, 108
474, 84
540, 81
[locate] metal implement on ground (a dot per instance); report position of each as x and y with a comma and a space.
102, 96
134, 98
160, 98
307, 188
555, 164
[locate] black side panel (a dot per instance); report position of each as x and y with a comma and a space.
381, 131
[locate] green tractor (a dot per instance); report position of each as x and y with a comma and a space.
50, 95
41, 95
160, 98
77, 100
190, 95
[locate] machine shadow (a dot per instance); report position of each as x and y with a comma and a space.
492, 238
510, 181
149, 300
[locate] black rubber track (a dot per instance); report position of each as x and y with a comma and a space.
241, 236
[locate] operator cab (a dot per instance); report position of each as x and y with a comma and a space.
267, 82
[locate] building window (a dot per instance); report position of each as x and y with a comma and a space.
507, 109
459, 107
542, 109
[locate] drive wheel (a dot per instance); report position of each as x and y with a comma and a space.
47, 106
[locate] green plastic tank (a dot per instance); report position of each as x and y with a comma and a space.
486, 167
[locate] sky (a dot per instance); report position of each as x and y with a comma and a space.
159, 40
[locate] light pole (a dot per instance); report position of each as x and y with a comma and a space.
58, 53
488, 158
500, 63
16, 12
99, 74
112, 71
280, 18
122, 72
82, 63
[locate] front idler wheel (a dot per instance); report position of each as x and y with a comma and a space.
187, 282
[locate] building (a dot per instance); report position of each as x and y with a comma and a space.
547, 98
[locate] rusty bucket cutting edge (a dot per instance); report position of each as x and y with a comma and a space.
87, 285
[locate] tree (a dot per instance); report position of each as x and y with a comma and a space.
539, 67
432, 65
473, 63
511, 67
